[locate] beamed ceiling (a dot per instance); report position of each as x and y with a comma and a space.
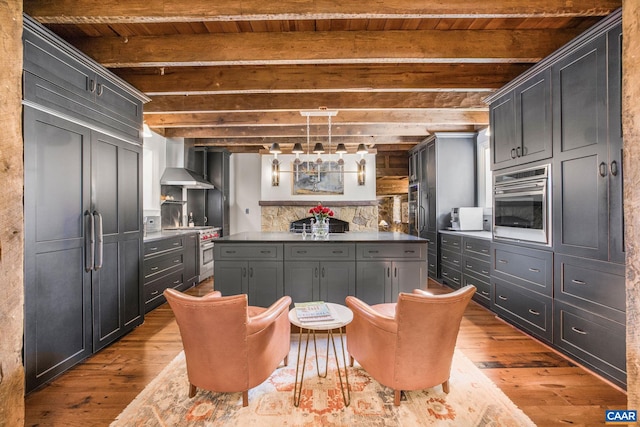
238, 73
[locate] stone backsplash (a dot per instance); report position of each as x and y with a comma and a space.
360, 218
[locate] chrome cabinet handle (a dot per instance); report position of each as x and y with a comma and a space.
602, 169
176, 282
90, 242
536, 313
614, 168
99, 242
92, 85
535, 270
484, 292
155, 292
485, 272
578, 282
578, 331
503, 261
154, 268
518, 153
100, 89
502, 298
513, 153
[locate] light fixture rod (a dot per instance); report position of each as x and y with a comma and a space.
319, 113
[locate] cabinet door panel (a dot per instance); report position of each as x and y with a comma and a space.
503, 134
302, 279
372, 278
57, 286
106, 297
265, 282
407, 276
337, 280
231, 277
533, 113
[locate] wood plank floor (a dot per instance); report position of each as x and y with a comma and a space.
550, 389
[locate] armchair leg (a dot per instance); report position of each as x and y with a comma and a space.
286, 360
351, 360
396, 397
245, 398
445, 386
192, 390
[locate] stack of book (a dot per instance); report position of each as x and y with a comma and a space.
315, 311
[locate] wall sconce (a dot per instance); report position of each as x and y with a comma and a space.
362, 150
275, 164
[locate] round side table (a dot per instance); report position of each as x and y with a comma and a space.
342, 316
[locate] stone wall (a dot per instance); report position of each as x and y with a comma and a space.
11, 221
631, 132
360, 218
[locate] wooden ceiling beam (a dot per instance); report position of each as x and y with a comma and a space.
130, 11
329, 47
299, 131
309, 78
307, 101
202, 135
422, 116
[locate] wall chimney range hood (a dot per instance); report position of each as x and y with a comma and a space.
184, 178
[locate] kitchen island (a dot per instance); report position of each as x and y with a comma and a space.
373, 266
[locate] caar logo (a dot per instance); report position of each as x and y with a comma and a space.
620, 417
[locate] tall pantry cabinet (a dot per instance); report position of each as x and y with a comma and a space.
82, 206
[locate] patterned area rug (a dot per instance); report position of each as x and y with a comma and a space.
473, 400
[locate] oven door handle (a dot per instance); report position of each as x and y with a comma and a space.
507, 189
518, 193
205, 246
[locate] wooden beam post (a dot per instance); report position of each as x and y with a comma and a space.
11, 228
631, 132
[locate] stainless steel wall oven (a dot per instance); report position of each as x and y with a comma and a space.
522, 205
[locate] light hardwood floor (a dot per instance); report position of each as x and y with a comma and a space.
550, 389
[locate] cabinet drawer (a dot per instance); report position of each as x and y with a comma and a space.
596, 286
476, 248
529, 268
248, 251
599, 342
161, 264
163, 245
318, 251
453, 258
432, 242
476, 266
451, 276
450, 242
483, 289
531, 311
154, 289
408, 251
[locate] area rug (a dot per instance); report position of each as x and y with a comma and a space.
473, 400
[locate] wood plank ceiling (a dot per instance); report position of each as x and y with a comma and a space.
238, 73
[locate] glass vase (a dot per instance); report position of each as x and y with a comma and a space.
320, 228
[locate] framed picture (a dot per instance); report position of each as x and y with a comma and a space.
311, 178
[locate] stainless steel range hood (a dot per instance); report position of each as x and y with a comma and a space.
184, 178
175, 173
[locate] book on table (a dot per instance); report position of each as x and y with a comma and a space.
314, 311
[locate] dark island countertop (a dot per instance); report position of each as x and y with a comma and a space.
164, 234
351, 236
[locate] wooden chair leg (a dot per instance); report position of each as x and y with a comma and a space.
286, 360
245, 398
396, 397
445, 386
192, 390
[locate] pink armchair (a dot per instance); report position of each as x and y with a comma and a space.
230, 346
408, 345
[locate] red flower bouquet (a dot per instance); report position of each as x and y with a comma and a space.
320, 212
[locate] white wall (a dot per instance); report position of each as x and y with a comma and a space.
244, 209
153, 164
352, 191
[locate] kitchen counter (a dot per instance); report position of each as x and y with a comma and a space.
358, 236
486, 235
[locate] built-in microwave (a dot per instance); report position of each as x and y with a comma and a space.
522, 205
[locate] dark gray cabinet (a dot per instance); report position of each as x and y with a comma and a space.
218, 199
522, 287
169, 262
588, 158
82, 207
521, 127
253, 269
451, 260
83, 243
320, 271
445, 170
476, 268
385, 270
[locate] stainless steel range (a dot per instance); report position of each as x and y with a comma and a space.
207, 236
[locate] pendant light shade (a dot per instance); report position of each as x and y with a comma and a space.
341, 149
362, 149
318, 148
297, 148
275, 148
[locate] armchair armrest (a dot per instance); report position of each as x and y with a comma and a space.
376, 319
264, 319
212, 294
422, 292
